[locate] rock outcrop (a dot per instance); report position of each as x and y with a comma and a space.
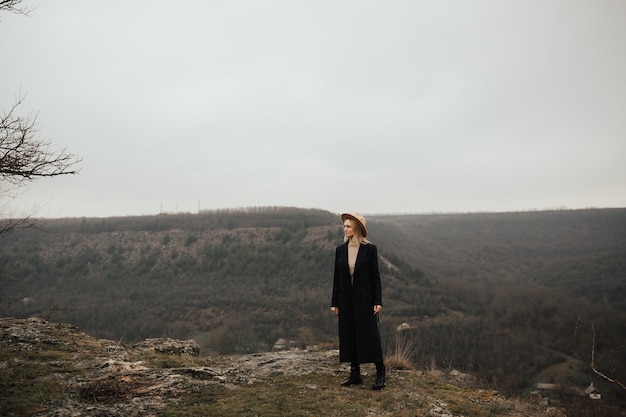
55, 370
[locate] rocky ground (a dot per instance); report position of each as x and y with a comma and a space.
78, 375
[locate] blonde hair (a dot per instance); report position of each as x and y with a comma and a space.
357, 231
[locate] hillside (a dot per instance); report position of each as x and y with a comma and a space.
52, 369
522, 290
508, 297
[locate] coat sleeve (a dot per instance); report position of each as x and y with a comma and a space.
335, 298
375, 277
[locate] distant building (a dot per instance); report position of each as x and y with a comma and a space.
285, 344
554, 394
547, 394
592, 392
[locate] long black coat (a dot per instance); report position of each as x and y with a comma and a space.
359, 338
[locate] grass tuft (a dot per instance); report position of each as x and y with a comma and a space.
401, 351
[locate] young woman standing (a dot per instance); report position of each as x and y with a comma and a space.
357, 300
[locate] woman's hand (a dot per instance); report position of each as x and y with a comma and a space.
377, 309
335, 310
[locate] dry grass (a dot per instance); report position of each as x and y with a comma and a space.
408, 394
401, 351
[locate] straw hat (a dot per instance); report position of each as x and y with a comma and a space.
358, 218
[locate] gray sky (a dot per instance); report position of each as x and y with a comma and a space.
379, 107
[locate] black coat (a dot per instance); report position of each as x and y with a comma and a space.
359, 338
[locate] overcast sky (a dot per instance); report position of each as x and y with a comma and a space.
371, 106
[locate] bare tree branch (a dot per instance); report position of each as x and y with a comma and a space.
12, 224
23, 155
13, 6
591, 363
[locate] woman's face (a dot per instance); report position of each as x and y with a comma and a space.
348, 229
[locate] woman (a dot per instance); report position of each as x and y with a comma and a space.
357, 300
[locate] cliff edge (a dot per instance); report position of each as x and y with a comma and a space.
54, 369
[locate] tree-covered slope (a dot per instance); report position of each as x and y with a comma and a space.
500, 295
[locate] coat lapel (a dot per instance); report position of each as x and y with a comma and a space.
344, 257
360, 257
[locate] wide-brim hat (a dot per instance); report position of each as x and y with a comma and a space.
358, 218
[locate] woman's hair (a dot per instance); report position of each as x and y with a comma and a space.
357, 231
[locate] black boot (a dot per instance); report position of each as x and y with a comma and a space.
355, 376
379, 383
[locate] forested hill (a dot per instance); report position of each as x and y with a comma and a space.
580, 251
500, 295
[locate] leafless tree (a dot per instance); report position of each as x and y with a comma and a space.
590, 359
24, 156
